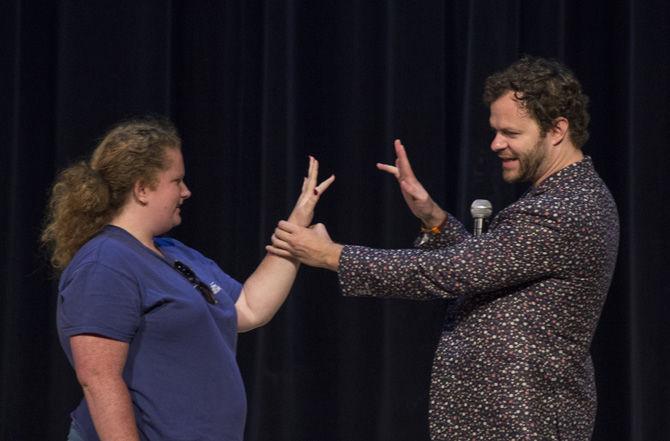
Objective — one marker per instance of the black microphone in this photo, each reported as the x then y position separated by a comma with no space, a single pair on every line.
480,209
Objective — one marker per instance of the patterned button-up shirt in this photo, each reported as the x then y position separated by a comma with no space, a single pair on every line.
516,364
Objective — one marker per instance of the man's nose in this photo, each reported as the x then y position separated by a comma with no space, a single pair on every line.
498,143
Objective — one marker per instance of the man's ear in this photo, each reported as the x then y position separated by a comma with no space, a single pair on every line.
140,191
559,131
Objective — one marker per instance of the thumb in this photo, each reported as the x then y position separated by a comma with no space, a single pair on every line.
320,230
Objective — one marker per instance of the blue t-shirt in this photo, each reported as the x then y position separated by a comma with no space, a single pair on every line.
181,371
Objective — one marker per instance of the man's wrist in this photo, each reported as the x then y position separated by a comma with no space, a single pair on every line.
435,222
332,261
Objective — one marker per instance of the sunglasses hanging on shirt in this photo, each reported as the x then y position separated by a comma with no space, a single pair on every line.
198,284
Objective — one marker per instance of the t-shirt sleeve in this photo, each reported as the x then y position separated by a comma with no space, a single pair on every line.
100,300
230,286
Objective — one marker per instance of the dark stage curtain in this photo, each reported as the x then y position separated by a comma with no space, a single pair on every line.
254,88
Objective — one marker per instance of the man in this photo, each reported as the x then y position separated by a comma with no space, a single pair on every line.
516,365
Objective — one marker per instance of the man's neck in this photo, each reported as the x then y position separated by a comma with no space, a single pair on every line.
564,157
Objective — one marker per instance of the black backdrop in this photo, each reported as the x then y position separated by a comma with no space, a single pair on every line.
257,86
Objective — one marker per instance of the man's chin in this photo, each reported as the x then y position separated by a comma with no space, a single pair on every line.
510,178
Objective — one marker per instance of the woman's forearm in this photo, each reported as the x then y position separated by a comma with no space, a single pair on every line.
111,408
265,291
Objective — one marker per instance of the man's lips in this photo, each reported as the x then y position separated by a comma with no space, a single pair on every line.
508,162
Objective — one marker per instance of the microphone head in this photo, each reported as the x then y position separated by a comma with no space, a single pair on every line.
481,209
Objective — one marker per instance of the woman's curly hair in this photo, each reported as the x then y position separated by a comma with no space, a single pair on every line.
86,196
547,90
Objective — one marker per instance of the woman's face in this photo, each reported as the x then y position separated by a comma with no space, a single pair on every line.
170,191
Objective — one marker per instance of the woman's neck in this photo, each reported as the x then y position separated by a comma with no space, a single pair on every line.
136,230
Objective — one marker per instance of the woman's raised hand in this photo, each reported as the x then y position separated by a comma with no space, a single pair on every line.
303,212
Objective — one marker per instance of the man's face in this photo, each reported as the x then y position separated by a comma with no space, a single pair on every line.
518,141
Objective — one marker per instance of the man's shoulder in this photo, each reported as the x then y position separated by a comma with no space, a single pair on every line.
582,192
578,201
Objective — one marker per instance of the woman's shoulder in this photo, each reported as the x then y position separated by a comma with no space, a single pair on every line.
178,249
108,250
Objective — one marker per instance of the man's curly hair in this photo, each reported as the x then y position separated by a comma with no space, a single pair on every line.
547,90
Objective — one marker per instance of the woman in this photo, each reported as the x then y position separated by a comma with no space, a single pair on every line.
148,323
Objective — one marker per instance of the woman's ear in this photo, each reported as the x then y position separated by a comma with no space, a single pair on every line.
140,192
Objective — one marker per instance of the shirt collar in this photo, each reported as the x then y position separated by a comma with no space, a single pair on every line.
565,174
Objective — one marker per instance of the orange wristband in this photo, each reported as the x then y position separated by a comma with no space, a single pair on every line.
435,230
